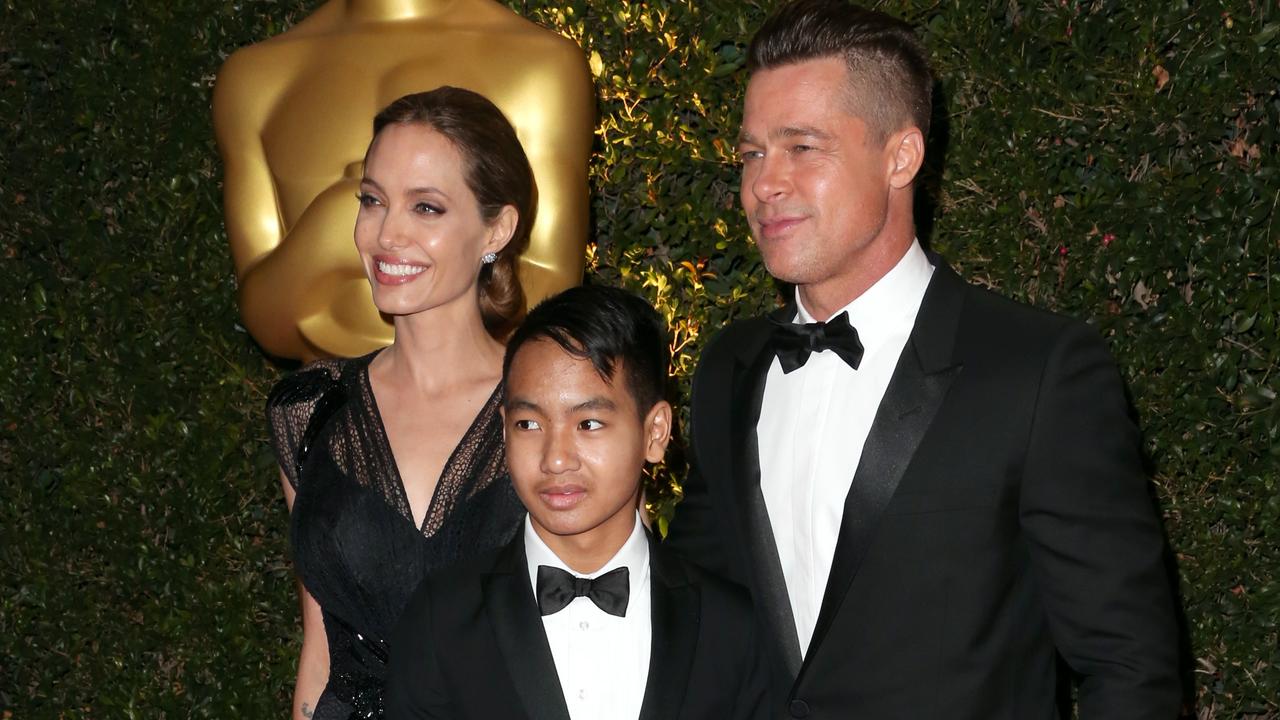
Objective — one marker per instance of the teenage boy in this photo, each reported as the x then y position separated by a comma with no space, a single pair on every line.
582,616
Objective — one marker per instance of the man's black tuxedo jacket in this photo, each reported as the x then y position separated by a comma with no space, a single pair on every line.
1000,514
471,645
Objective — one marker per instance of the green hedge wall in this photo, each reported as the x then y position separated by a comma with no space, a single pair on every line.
1111,160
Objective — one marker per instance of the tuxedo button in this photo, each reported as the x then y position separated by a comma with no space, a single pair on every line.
799,709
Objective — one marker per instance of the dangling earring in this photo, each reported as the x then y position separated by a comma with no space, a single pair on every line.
488,258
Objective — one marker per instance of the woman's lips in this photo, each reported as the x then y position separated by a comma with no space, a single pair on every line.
395,271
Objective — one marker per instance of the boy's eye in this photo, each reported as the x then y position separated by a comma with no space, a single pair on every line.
527,425
590,425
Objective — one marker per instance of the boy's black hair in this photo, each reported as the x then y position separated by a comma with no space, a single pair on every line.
604,325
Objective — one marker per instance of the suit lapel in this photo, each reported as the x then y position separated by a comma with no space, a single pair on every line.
919,383
772,601
674,623
513,614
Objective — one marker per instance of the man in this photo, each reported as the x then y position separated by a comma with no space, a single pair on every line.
932,492
581,617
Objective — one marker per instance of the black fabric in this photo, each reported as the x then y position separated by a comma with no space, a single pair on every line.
471,646
557,588
355,546
999,517
793,342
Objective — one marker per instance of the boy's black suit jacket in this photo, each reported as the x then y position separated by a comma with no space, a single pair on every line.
1000,516
471,645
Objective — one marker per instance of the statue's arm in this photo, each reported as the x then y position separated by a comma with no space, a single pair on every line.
241,98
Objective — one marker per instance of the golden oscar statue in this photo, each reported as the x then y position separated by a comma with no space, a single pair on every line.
293,116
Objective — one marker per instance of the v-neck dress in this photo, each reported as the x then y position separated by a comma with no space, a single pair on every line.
355,545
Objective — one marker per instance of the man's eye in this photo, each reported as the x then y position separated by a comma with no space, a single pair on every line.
590,425
801,148
428,209
527,425
746,155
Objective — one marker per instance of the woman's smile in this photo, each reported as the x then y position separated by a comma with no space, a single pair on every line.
395,271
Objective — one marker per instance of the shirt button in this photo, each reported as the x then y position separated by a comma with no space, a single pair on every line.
584,625
582,694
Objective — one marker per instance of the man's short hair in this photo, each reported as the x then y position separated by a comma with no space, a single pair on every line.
890,83
604,325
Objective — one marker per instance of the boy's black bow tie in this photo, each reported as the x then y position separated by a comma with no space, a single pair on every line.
557,588
793,342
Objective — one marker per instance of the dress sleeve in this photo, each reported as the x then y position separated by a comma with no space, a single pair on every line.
290,407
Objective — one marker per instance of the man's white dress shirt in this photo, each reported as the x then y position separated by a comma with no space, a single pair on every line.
602,660
813,424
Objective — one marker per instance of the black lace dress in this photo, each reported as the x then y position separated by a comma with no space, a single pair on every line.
355,545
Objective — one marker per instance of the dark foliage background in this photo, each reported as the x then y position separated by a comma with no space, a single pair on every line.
1111,160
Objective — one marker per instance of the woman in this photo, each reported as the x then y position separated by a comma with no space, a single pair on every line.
393,463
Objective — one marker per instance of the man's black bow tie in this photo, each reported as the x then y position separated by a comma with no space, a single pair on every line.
793,342
557,588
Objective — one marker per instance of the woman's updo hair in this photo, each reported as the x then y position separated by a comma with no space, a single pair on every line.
498,174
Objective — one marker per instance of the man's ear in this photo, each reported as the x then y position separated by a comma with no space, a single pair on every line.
906,154
657,431
502,228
